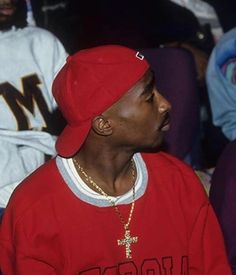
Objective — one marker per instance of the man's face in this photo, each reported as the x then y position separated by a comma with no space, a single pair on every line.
7,11
142,116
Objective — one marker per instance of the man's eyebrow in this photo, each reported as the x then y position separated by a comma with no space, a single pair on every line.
149,86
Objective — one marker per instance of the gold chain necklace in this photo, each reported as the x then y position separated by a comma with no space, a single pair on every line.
128,240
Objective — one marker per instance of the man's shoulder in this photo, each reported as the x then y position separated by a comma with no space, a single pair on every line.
43,183
41,178
39,34
165,161
175,176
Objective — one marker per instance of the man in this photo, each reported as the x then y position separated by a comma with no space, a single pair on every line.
101,207
30,57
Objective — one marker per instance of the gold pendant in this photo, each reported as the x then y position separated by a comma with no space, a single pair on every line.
127,241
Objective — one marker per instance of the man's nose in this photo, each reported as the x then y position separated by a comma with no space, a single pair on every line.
164,105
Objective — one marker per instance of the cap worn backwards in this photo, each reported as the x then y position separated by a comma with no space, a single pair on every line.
88,84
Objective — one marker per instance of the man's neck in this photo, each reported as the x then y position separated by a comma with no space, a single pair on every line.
114,174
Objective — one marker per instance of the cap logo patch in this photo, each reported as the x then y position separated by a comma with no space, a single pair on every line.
139,56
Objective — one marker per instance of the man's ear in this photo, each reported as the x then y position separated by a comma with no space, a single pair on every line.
102,126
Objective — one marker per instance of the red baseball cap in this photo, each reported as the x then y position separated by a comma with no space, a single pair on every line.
89,83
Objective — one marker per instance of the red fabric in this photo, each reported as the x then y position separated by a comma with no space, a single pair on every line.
46,229
90,82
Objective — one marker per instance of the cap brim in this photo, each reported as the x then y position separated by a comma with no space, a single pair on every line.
72,138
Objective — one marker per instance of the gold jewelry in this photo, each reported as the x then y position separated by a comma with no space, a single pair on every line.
128,240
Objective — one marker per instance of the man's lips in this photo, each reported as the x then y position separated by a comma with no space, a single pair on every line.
165,125
6,10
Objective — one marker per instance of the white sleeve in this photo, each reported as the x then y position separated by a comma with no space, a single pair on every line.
51,56
59,60
21,153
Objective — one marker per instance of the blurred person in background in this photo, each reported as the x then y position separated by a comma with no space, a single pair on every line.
221,84
29,57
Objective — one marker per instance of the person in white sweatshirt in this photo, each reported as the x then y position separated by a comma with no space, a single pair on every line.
30,57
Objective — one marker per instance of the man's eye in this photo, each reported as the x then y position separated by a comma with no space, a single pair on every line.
150,98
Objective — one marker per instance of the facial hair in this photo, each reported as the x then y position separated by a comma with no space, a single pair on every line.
18,19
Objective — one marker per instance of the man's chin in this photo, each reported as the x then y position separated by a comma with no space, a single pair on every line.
154,148
6,22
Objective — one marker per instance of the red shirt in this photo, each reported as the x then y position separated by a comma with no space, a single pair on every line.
47,229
